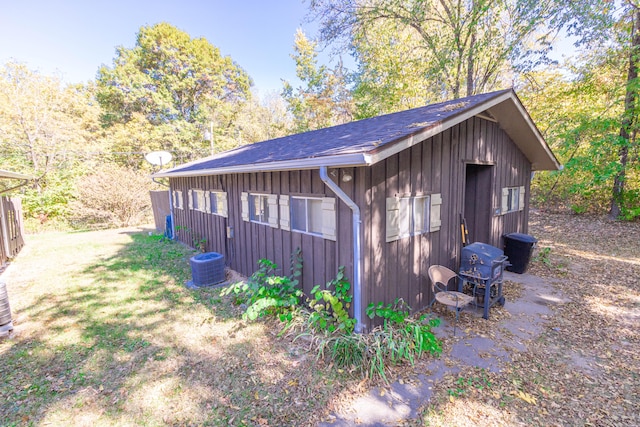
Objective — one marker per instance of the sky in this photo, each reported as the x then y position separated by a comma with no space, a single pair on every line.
73,38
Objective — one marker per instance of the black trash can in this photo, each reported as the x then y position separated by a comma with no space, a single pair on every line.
519,247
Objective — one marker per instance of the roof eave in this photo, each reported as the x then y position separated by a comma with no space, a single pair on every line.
519,127
525,134
340,160
402,144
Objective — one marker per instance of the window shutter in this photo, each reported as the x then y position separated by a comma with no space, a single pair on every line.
244,201
175,199
436,215
285,213
223,205
505,200
190,195
329,218
207,201
272,200
521,198
393,219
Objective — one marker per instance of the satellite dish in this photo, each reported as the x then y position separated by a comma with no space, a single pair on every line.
158,158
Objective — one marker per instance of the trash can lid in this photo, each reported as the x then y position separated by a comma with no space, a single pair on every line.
525,238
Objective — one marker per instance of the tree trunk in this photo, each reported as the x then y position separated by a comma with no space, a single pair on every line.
628,118
470,65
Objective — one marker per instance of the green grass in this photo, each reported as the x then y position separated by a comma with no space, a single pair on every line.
107,334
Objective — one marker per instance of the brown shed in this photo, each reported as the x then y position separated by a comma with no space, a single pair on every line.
380,196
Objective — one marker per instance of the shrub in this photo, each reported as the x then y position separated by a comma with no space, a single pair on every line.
112,195
330,307
326,320
264,293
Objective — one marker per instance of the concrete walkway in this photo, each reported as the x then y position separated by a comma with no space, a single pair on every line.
402,401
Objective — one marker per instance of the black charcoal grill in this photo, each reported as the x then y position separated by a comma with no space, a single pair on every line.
481,268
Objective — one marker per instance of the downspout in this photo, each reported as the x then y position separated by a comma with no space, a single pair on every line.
357,262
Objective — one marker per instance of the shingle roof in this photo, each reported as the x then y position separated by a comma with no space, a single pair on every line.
358,143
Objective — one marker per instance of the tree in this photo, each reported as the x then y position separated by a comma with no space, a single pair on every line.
43,126
578,114
615,28
390,76
325,101
173,82
629,126
458,47
592,118
261,118
40,121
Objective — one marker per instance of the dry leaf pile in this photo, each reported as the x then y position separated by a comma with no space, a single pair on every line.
584,368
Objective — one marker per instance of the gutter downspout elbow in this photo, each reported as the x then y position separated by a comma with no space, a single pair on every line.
357,252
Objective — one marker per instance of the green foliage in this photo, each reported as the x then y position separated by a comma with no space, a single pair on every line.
42,125
52,198
169,77
395,313
401,339
330,307
393,344
464,384
198,241
40,121
265,294
325,101
544,256
435,50
163,93
591,120
631,205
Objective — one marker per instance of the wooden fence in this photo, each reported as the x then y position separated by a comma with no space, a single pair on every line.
160,206
11,228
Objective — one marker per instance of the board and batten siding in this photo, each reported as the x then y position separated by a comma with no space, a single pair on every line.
396,269
253,241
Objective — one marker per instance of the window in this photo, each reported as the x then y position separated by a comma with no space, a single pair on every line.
177,199
309,215
412,216
260,208
197,200
512,199
218,203
306,215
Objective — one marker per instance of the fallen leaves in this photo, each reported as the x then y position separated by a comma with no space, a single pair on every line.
581,369
524,396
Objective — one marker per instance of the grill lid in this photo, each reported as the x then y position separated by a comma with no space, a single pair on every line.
477,257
